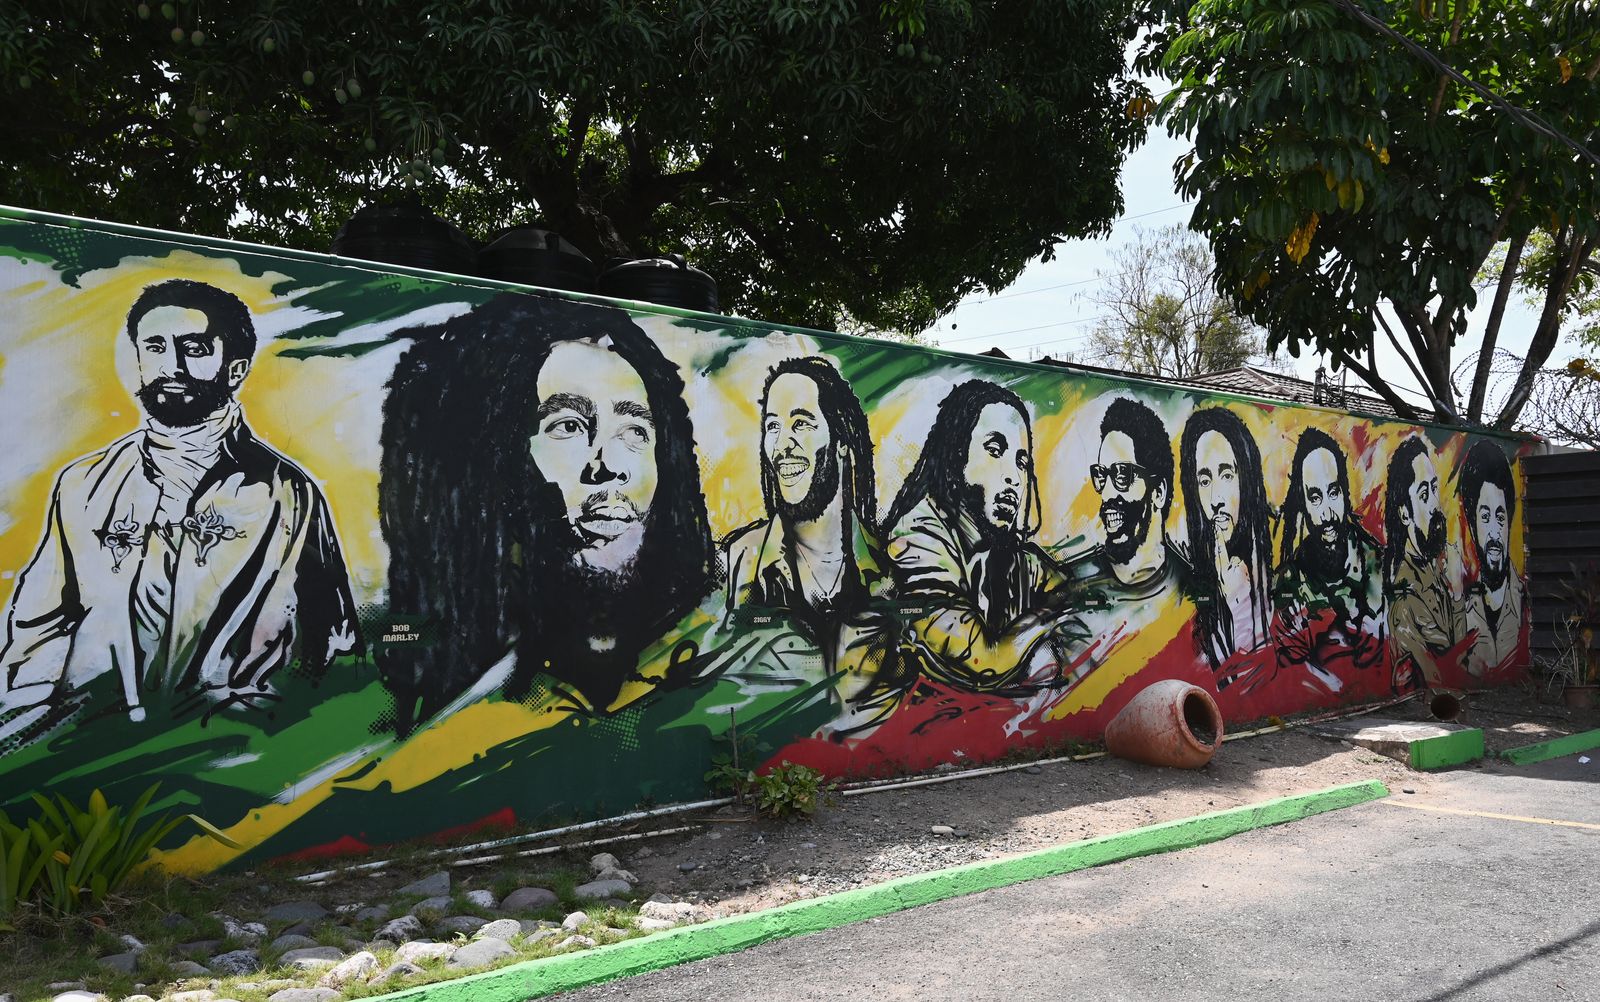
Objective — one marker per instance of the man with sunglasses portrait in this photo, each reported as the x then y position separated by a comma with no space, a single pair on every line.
1132,474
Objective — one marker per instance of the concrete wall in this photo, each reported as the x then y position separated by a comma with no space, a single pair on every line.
345,557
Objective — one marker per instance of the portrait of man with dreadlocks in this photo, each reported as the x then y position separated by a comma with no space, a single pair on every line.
1328,590
1496,601
1425,616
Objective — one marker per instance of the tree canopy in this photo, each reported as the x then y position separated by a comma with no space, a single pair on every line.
821,159
1164,316
1356,162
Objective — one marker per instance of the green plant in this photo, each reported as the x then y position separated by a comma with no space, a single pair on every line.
788,790
1576,661
71,857
729,771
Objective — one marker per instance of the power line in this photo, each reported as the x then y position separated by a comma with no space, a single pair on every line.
1024,330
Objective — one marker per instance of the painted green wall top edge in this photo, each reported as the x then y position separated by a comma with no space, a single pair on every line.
476,281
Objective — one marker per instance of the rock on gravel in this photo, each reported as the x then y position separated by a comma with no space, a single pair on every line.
398,970
434,885
597,889
431,906
418,951
481,953
235,962
500,929
201,995
376,913
305,995
464,924
296,911
574,919
483,899
529,899
581,942
356,967
654,924
190,969
313,957
122,963
77,995
600,862
675,911
404,928
291,941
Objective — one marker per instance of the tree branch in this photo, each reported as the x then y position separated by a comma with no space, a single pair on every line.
1547,333
1370,377
1491,332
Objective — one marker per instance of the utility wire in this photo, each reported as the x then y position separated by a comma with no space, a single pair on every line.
1024,330
1521,116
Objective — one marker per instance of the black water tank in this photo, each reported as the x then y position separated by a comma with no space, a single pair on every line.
403,231
531,256
666,281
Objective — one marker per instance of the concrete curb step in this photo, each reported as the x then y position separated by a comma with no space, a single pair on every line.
1418,745
550,975
1554,748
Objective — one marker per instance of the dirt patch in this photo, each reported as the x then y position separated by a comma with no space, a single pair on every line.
1512,716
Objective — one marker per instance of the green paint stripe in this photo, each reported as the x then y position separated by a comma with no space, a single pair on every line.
1455,748
1554,748
549,975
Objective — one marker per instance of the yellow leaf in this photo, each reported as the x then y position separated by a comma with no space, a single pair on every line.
1566,68
1327,178
1383,156
61,857
1346,193
1299,244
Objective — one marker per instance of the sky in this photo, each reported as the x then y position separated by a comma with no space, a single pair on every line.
1050,309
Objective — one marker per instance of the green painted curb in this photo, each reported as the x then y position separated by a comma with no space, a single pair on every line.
1455,748
1554,748
548,975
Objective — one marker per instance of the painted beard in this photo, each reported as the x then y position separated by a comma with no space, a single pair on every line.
1323,551
824,486
1126,524
1431,543
1492,564
182,401
980,507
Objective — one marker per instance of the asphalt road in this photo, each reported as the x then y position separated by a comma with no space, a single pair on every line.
1429,901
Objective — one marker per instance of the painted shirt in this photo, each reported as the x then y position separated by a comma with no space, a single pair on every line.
1329,627
1425,620
854,632
1496,636
968,638
215,603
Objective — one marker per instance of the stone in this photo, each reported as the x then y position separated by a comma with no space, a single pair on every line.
644,851
600,862
617,874
654,924
671,911
252,932
349,909
1033,770
132,943
483,899
130,998
500,929
400,970
574,920
312,957
434,885
581,942
595,889
401,929
235,962
79,995
942,830
199,946
296,911
356,967
376,913
420,950
464,924
190,969
688,867
529,899
172,920
541,935
66,986
480,953
199,995
431,906
292,941
122,963
305,995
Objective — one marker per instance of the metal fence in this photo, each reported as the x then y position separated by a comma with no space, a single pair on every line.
1563,520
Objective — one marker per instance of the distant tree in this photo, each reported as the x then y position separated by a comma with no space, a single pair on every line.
1164,314
1356,161
841,157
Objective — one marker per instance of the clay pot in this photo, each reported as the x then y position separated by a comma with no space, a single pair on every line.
1581,697
1169,723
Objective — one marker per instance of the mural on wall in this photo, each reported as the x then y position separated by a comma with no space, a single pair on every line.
532,556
